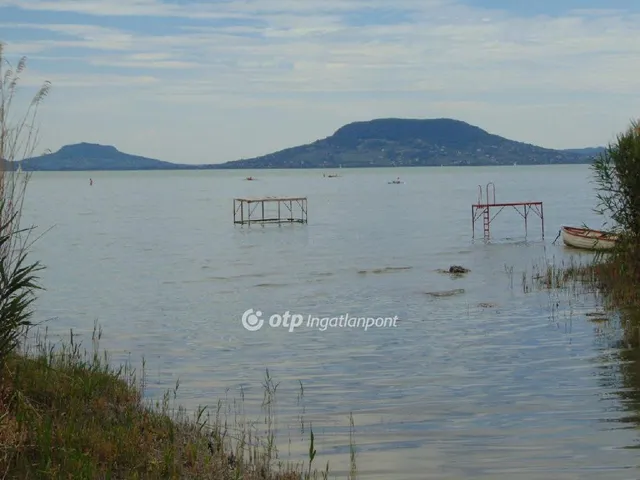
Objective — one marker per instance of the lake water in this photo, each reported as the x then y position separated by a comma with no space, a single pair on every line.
519,389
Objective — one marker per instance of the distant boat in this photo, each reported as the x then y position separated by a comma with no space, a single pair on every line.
397,181
249,178
587,239
333,175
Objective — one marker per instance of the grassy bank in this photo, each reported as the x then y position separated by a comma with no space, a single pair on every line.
64,413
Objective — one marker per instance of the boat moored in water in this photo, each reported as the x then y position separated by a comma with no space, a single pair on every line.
587,239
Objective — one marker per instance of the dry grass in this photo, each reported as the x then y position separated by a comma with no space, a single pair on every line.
64,413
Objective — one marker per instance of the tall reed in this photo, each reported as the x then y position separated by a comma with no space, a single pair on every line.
18,140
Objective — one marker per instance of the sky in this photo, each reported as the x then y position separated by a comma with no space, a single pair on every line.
191,81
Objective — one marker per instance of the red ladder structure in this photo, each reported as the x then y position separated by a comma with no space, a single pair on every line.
484,205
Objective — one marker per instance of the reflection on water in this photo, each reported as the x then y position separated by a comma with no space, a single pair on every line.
628,376
619,365
490,382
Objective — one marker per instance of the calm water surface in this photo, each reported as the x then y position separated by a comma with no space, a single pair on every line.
490,383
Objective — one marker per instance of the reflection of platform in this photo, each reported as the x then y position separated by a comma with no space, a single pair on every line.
484,206
281,210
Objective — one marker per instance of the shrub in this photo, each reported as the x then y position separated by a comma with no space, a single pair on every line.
617,172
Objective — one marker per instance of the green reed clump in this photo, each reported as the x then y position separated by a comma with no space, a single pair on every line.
18,138
617,176
65,413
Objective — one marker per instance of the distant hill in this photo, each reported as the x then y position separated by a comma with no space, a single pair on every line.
377,143
90,156
407,142
594,151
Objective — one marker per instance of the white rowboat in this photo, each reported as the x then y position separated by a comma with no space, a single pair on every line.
587,239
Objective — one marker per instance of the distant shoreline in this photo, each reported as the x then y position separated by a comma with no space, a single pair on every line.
386,167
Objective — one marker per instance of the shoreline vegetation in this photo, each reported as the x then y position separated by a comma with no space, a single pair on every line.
66,413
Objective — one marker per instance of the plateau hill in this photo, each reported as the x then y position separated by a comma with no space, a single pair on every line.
407,142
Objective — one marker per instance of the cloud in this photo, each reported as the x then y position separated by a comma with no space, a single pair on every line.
118,8
89,81
345,56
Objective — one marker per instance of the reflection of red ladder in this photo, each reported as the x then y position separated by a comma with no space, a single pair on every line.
486,220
